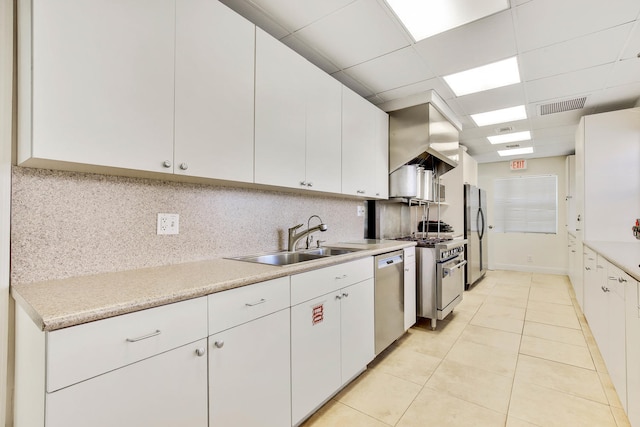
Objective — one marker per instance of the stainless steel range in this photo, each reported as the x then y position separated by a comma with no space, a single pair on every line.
440,278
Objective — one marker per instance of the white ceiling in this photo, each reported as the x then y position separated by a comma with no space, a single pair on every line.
566,49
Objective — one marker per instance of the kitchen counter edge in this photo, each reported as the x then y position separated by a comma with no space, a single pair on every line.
624,255
62,303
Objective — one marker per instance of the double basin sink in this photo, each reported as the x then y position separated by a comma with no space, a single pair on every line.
287,258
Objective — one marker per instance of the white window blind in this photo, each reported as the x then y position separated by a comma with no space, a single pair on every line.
526,204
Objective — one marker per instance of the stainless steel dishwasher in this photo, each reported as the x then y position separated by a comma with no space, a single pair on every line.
389,298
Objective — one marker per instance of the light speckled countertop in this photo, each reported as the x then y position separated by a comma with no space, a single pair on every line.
624,255
56,304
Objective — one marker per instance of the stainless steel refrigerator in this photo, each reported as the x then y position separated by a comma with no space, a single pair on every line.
475,231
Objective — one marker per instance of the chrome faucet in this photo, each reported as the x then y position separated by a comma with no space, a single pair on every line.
295,238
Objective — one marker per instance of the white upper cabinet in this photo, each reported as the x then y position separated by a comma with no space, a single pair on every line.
96,82
214,92
365,147
297,128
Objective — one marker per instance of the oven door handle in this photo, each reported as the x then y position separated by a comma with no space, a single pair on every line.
449,271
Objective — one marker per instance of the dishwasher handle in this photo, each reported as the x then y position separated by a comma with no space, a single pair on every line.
390,261
449,271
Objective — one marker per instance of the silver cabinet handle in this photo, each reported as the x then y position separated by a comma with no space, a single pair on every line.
166,164
144,337
345,294
588,268
200,352
605,289
360,191
344,276
406,269
219,344
310,184
253,304
622,280
184,166
338,296
612,278
303,183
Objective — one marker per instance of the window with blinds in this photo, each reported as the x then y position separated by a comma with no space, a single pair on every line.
526,204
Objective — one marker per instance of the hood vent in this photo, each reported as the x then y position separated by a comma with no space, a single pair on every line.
562,106
422,135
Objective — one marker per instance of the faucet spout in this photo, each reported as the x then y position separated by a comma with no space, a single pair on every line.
294,237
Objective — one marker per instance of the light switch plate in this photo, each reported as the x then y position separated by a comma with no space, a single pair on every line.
168,223
360,210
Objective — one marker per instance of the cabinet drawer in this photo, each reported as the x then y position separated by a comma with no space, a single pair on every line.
234,307
311,284
85,351
618,280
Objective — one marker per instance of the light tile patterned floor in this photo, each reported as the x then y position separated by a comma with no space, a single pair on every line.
516,352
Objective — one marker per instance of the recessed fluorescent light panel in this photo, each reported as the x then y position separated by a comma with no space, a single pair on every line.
510,137
490,76
500,116
515,151
427,18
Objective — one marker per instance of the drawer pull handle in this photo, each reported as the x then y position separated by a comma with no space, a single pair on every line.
262,301
219,344
345,294
144,337
338,296
344,276
200,352
622,280
604,289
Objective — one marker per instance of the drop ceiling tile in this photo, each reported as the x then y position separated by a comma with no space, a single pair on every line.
467,47
296,14
257,16
347,38
494,99
310,54
584,52
625,72
542,23
568,85
616,98
435,84
566,118
393,70
633,47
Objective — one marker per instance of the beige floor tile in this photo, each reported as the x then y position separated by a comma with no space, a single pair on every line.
550,307
434,408
556,351
471,302
469,383
556,296
510,291
406,364
498,322
561,377
557,319
550,279
379,395
335,414
517,422
491,337
549,408
554,333
497,360
427,343
520,302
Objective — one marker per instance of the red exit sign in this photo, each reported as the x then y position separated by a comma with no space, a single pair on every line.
517,165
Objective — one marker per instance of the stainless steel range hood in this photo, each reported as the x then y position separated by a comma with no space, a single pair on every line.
424,134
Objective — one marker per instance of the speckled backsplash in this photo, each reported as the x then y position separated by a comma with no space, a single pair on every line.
69,224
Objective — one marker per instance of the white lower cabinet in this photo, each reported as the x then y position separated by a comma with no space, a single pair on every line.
249,374
167,390
409,287
632,310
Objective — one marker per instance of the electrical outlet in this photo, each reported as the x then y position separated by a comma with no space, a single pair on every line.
168,223
360,210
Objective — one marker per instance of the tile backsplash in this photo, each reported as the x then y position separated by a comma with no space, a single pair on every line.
69,224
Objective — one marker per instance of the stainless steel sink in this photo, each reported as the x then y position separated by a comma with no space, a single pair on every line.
331,251
280,258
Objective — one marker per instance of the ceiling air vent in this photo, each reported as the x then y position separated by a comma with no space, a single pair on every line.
512,146
504,129
562,106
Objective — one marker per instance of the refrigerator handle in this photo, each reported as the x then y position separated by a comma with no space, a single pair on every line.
481,229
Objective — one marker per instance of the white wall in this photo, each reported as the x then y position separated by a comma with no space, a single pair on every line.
510,251
6,120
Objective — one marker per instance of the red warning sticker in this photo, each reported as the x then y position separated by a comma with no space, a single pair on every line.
317,314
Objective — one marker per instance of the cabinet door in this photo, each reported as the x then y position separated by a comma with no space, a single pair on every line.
614,353
632,310
280,114
249,374
214,91
358,146
357,328
409,288
381,154
101,83
169,389
323,131
315,353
